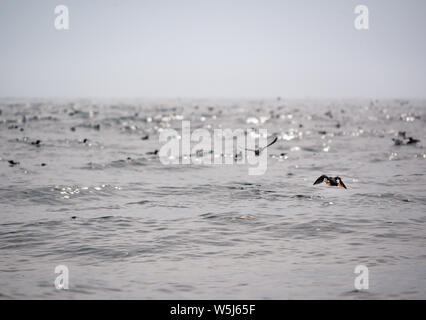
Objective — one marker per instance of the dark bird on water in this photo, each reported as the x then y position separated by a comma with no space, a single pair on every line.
335,182
405,140
36,143
13,163
411,140
258,151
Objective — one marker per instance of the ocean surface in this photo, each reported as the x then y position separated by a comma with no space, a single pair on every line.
86,190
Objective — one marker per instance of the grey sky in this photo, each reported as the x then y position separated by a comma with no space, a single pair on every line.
237,49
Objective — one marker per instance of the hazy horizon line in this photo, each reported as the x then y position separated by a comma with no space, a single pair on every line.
277,98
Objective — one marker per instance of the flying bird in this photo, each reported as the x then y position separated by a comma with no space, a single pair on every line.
335,182
258,151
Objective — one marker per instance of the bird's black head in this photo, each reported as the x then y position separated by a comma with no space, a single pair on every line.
340,182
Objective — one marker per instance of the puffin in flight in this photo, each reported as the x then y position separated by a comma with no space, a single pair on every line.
258,151
335,182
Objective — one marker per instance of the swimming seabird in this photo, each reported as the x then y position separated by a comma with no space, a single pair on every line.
13,162
36,143
405,140
411,140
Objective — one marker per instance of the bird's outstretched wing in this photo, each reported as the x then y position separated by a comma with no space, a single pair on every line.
270,144
320,179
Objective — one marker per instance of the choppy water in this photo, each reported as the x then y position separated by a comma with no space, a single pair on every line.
146,230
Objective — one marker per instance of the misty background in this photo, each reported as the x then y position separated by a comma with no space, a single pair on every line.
213,49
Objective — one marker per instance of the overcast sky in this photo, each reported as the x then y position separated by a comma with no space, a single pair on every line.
213,49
